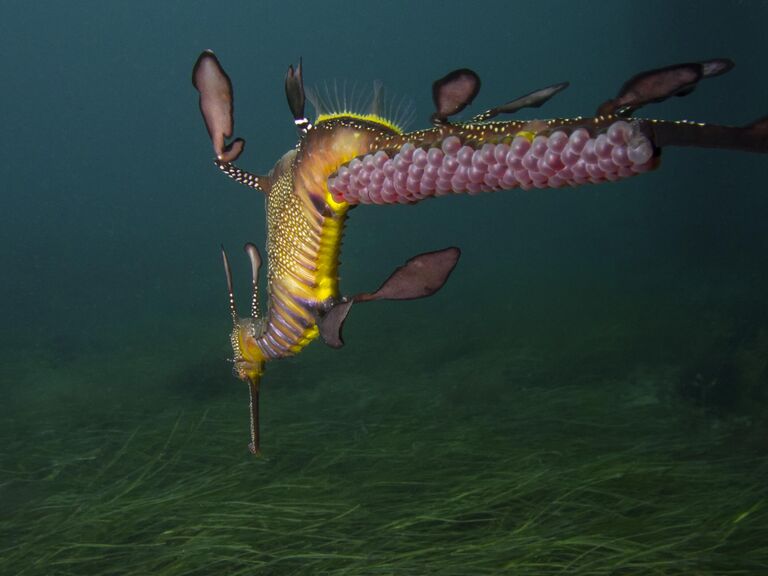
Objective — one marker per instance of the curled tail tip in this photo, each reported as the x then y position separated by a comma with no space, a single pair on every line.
759,129
759,125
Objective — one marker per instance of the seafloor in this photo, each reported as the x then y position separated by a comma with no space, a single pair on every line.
554,450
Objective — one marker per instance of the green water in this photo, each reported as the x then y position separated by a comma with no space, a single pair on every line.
587,395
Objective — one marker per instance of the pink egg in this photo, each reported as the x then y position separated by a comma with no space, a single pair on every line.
435,156
451,145
519,147
603,146
539,146
557,141
618,133
578,139
406,151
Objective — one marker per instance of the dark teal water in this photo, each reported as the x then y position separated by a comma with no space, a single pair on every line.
643,302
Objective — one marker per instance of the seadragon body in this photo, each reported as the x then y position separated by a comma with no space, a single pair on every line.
345,159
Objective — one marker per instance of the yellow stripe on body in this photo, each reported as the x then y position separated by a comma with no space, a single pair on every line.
303,244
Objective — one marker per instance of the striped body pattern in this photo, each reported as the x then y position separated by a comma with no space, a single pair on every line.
304,229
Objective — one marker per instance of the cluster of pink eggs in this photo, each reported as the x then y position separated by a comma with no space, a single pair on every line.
559,159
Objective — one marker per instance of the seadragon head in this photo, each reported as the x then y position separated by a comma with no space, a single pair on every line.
248,358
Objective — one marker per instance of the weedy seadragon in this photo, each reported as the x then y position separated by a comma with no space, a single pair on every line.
345,158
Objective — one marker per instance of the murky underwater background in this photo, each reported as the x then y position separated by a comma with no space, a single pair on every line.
587,395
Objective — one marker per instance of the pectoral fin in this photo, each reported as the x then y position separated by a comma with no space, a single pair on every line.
419,277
